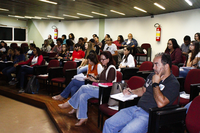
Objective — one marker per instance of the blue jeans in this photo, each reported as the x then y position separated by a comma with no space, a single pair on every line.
188,106
184,73
79,99
129,120
72,87
22,73
8,70
82,69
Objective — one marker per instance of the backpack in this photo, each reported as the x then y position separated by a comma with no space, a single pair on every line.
32,86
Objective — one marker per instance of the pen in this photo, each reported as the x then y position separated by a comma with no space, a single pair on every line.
130,92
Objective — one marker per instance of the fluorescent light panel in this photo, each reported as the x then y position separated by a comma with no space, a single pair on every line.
100,14
189,2
49,16
140,9
70,16
85,15
158,5
16,16
50,2
2,9
117,12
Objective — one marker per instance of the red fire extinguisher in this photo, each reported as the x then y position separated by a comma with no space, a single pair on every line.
158,32
55,32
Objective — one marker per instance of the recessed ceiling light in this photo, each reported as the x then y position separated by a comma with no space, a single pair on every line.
70,16
2,9
49,16
189,2
50,2
117,12
100,14
28,17
158,5
85,15
140,9
16,16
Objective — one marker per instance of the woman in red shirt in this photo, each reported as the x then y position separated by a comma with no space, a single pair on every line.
119,41
34,60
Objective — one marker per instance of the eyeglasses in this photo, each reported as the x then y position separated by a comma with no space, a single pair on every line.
169,44
102,59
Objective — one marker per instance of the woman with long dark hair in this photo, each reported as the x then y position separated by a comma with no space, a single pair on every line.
79,99
174,50
192,60
119,41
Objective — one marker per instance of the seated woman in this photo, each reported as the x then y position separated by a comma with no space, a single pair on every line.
34,60
192,60
127,60
46,47
18,58
8,57
174,50
63,55
79,99
94,68
119,41
84,64
30,51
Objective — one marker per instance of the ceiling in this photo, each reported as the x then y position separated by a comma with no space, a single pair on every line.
72,7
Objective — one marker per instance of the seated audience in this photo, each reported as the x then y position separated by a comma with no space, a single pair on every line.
64,38
96,47
192,60
30,51
174,50
50,40
94,68
104,41
9,57
84,64
185,45
63,55
81,43
77,53
18,58
110,47
79,99
46,47
72,37
85,40
161,89
128,59
97,41
130,41
34,60
119,41
2,47
57,48
70,44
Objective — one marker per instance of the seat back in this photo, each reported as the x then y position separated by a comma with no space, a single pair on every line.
24,45
53,63
193,77
135,82
69,65
146,46
119,76
13,45
146,66
52,54
193,118
175,70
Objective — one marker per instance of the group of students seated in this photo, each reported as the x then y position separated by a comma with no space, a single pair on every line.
97,62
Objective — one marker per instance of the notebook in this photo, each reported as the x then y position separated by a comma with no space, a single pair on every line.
122,97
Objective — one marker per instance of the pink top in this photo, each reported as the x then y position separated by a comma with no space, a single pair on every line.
117,44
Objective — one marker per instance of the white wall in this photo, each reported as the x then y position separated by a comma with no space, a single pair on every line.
81,28
173,25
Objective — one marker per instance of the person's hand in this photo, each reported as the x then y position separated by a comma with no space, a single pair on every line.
157,77
15,65
126,91
120,66
59,57
91,79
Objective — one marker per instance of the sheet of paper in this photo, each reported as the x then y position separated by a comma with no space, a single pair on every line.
114,107
122,97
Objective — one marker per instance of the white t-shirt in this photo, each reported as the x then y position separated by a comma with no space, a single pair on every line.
130,61
34,60
112,48
129,41
3,49
198,56
99,68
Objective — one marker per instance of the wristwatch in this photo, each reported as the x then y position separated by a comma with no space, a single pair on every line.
155,84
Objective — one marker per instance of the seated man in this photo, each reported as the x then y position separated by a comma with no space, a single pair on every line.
77,53
185,46
57,48
161,89
110,47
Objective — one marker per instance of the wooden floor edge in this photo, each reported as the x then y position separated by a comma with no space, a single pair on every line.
32,102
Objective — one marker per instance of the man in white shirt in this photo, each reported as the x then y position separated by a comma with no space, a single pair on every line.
110,47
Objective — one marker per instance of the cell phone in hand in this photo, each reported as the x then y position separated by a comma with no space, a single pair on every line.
91,76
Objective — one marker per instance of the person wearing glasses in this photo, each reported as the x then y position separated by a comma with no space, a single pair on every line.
77,53
111,47
174,51
79,100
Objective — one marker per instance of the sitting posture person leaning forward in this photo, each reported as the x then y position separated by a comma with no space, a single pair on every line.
161,89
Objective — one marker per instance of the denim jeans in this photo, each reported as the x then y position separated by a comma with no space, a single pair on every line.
184,73
72,87
188,106
129,120
8,70
79,99
82,69
22,73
